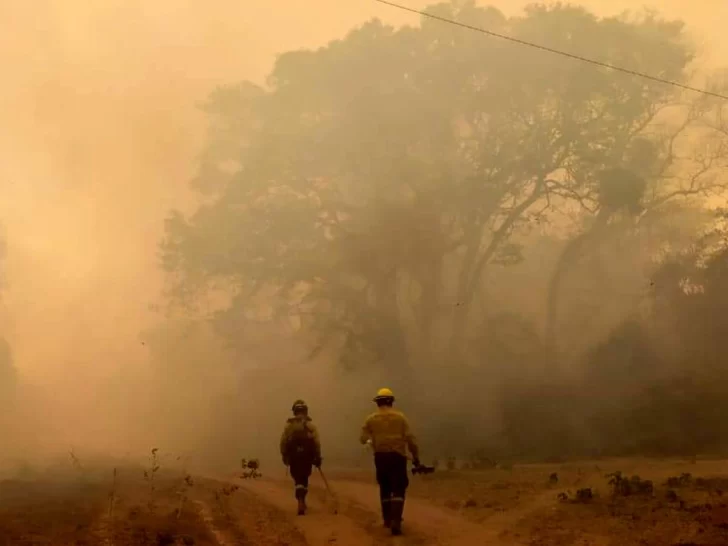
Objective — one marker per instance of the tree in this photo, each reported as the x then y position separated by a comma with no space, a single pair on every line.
641,193
667,368
368,188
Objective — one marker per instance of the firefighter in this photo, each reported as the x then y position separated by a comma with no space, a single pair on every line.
388,432
300,450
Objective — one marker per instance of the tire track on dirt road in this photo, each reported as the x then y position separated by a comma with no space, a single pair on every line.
102,530
243,518
222,537
320,526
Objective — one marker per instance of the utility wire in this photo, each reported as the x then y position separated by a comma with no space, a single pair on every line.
555,51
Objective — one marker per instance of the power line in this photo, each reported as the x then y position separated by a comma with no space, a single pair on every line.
555,51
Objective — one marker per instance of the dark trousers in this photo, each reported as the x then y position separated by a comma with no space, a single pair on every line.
300,472
393,482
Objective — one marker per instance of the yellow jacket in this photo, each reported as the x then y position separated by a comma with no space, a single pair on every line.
300,438
389,431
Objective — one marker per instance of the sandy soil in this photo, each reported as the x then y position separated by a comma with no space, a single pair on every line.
534,505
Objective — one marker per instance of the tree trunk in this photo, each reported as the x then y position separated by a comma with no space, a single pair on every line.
474,271
568,258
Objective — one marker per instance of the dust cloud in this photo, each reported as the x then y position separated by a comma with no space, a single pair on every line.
100,137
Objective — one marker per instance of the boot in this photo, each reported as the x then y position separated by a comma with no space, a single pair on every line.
301,496
387,512
397,509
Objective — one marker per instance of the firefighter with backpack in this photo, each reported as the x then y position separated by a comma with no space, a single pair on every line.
301,450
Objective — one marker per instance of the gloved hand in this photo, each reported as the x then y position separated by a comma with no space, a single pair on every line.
317,462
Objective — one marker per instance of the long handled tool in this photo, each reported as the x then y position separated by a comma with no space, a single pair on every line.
329,491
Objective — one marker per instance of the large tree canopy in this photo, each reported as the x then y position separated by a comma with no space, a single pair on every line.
367,189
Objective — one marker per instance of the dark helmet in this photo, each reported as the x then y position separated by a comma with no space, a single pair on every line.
299,406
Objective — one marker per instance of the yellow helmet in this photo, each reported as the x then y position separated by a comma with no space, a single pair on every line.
383,394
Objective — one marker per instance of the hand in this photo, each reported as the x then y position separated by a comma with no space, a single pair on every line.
416,463
317,462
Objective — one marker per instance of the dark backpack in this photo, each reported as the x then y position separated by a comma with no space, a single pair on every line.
301,440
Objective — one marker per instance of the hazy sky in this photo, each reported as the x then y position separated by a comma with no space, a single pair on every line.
98,139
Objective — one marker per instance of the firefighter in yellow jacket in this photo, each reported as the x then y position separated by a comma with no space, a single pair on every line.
300,450
388,432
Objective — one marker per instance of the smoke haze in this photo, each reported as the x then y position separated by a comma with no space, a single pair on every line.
100,136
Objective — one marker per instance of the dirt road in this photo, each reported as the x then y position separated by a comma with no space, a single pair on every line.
357,520
510,508
321,526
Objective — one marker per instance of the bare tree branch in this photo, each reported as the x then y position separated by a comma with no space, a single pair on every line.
499,235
